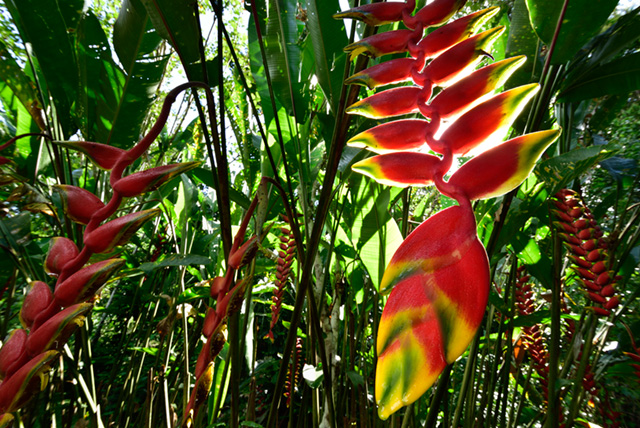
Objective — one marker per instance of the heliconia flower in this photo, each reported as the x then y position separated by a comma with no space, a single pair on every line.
469,91
377,13
400,169
117,232
13,352
244,254
79,204
386,43
491,118
83,285
460,59
429,318
54,333
399,135
386,73
150,179
61,251
435,13
441,39
502,168
26,382
35,302
392,102
102,155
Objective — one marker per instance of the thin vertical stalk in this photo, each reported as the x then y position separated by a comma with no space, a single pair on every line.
434,406
553,409
576,391
467,378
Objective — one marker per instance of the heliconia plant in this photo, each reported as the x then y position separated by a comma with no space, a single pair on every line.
438,280
49,317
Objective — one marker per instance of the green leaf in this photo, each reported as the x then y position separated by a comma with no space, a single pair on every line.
582,20
150,351
42,24
328,37
175,260
619,76
194,293
175,21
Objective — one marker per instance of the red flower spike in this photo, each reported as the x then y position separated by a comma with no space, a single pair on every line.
491,118
146,181
12,352
198,395
400,169
61,251
386,73
102,155
460,59
36,301
429,319
392,102
503,168
399,135
53,334
377,13
386,43
443,38
79,204
26,382
470,91
117,232
435,13
85,283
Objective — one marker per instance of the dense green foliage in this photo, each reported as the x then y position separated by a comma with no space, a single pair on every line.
99,73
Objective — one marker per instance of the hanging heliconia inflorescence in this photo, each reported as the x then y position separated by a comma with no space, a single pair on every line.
50,317
439,276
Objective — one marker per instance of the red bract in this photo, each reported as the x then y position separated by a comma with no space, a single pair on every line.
36,301
399,135
61,251
79,204
384,43
12,352
102,155
83,285
53,334
146,181
435,13
117,232
29,380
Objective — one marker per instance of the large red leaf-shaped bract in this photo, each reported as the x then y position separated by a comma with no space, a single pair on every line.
439,294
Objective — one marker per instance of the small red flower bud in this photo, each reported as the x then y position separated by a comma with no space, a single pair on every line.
612,303
597,298
608,291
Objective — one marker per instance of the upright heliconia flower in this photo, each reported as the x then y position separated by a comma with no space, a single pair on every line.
438,279
283,269
588,250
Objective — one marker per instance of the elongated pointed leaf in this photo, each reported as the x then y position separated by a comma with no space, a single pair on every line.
400,169
440,279
503,168
399,135
487,120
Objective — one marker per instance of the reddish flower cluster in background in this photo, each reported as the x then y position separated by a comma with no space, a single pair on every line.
588,249
532,336
283,269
